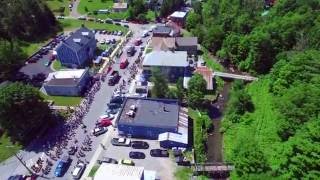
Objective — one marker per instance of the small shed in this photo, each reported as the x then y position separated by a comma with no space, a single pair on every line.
169,140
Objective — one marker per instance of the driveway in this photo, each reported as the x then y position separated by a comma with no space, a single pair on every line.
74,11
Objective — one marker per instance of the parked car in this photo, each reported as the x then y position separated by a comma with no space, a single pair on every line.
130,51
112,111
32,60
78,170
62,166
119,33
73,150
120,142
177,152
82,18
113,41
159,153
139,145
104,123
118,100
47,63
114,78
137,155
113,105
126,26
99,130
137,42
107,160
60,17
124,63
108,116
126,162
108,21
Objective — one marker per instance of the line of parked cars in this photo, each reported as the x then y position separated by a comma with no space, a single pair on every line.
115,33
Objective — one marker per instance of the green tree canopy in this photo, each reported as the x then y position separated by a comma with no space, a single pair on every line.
22,111
160,88
197,87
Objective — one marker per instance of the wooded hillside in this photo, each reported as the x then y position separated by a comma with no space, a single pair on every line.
272,126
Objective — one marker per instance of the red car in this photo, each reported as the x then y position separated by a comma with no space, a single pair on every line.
104,123
124,63
137,42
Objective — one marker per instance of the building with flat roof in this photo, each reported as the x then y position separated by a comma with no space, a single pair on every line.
69,82
119,172
172,64
179,17
189,44
148,117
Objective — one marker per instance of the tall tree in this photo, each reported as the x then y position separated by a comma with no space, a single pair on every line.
160,88
196,90
22,111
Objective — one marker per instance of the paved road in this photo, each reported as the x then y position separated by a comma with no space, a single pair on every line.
102,97
74,11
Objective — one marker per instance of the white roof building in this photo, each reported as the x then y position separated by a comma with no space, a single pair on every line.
178,14
166,58
119,172
66,74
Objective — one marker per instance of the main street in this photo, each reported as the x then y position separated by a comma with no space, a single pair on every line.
102,97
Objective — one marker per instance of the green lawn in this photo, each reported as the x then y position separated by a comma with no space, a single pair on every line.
93,5
30,48
71,24
183,173
263,122
57,65
54,5
93,170
7,149
63,100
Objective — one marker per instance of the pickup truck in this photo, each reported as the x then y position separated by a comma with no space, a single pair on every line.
120,142
114,78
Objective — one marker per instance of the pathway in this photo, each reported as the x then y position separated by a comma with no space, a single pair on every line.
74,11
234,76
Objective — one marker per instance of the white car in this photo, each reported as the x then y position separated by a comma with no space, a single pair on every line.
78,171
102,42
108,116
99,130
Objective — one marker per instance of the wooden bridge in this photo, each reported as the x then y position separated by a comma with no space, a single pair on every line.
234,76
213,167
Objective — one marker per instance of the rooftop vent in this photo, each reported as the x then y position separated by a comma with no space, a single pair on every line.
130,113
77,40
85,33
133,107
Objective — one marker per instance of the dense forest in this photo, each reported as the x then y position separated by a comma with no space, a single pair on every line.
271,126
22,21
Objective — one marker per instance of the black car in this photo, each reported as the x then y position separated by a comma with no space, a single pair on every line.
159,153
177,152
114,105
137,155
107,160
126,26
118,100
139,145
181,161
130,51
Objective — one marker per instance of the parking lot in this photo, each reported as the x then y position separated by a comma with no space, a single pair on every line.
163,166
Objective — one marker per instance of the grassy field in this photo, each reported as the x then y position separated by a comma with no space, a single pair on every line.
183,173
30,48
93,5
71,24
94,170
57,65
54,5
186,33
262,122
7,149
63,100
151,16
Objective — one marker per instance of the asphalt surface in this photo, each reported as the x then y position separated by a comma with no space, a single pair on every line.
31,69
12,167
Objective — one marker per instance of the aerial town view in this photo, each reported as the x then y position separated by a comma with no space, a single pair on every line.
159,89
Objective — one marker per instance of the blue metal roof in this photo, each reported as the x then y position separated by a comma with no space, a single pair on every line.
79,38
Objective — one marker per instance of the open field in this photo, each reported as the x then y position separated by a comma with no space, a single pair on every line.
72,24
54,5
7,149
63,100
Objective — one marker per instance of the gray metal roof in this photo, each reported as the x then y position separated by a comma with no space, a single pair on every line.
63,82
166,58
79,38
162,30
187,41
150,112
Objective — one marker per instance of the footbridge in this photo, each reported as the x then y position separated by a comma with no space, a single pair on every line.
234,76
213,167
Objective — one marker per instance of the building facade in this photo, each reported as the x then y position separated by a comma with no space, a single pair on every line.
77,49
66,83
